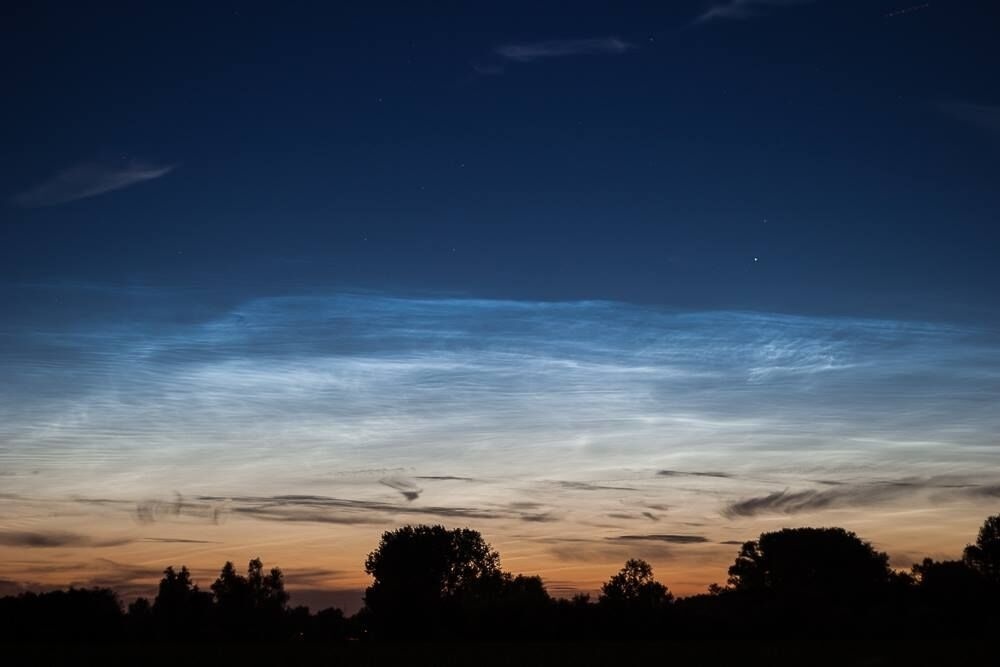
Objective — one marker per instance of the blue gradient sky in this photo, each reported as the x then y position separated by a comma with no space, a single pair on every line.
622,280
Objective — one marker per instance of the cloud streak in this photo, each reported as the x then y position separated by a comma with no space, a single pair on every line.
54,539
682,473
670,539
527,52
855,495
982,116
89,180
738,10
405,487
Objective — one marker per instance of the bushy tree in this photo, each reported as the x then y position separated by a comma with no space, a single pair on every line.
422,573
831,561
634,586
76,614
950,582
984,555
252,605
180,610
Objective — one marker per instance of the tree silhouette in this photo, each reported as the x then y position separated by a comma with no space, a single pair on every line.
180,610
250,606
632,603
433,583
950,582
76,614
140,619
634,586
830,561
254,591
421,573
984,555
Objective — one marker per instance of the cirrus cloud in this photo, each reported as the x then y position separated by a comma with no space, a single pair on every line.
559,48
89,180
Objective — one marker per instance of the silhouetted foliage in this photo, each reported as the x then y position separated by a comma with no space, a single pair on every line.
984,555
505,606
634,587
831,561
139,620
250,606
804,582
632,603
423,574
432,583
180,610
77,614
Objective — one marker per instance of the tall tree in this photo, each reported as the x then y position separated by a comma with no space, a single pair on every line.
984,555
180,610
421,573
252,605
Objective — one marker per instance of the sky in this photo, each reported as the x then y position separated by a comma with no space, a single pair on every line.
599,280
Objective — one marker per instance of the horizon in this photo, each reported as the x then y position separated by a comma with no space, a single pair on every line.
623,281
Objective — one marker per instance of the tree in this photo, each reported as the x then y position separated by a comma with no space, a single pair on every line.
634,586
508,607
176,590
140,619
250,606
831,561
76,614
421,573
180,610
984,555
948,582
254,591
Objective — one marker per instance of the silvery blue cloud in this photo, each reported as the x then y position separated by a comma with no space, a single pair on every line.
492,389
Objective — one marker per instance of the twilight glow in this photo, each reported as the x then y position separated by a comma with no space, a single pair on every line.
572,434
630,280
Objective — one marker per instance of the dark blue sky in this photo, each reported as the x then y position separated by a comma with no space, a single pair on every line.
620,151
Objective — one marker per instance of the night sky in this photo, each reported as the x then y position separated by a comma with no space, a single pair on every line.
596,279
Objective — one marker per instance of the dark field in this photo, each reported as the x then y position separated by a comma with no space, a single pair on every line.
635,653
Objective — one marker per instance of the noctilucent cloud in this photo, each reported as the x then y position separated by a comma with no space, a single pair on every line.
622,281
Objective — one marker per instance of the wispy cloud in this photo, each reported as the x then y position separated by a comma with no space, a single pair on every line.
52,539
304,508
406,488
175,540
89,180
559,48
742,9
693,473
983,116
671,539
591,551
587,486
855,495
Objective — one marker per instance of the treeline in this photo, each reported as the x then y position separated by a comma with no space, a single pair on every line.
429,583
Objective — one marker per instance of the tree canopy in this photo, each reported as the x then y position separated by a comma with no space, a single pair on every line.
250,605
984,555
423,572
430,582
809,560
634,586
